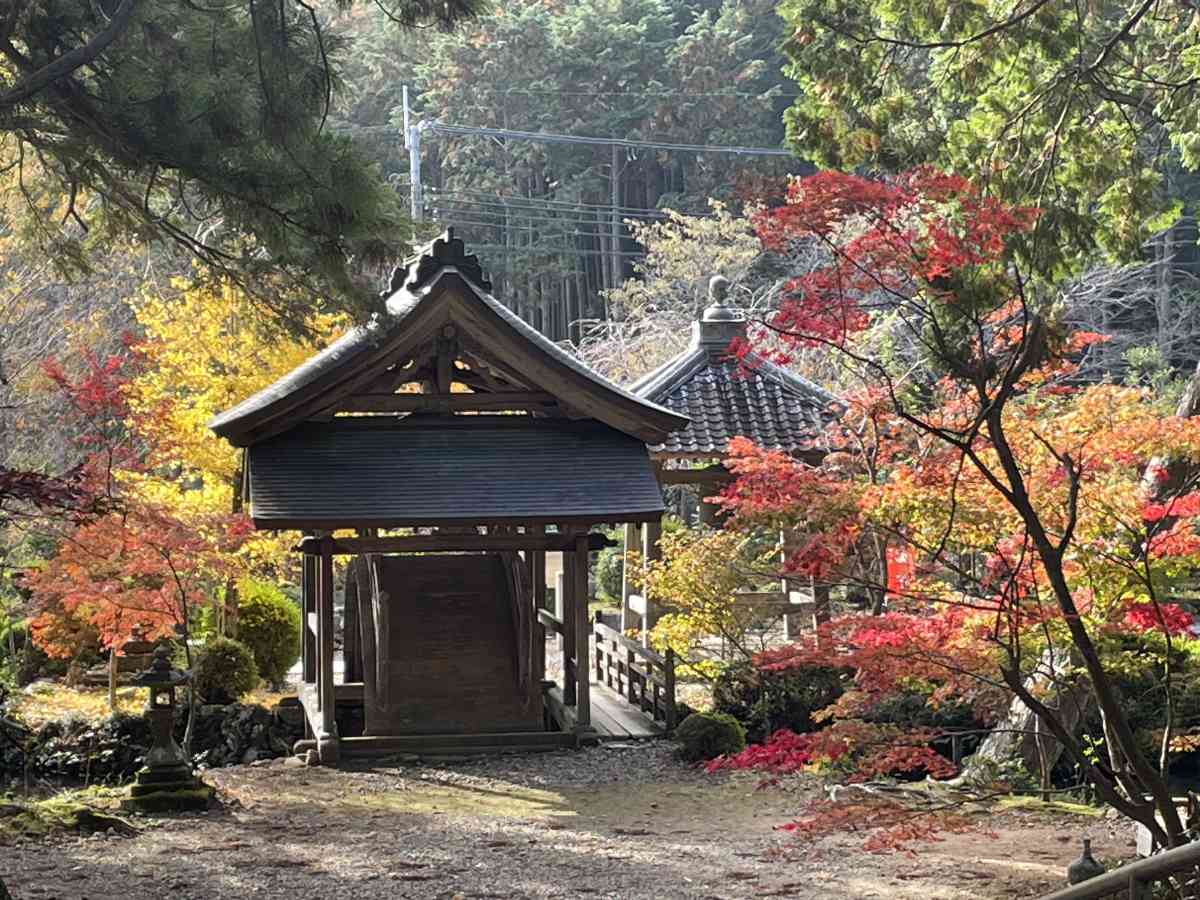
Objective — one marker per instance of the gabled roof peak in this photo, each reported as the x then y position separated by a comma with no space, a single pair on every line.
444,251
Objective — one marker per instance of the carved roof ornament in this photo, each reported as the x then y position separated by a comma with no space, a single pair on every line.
443,251
718,310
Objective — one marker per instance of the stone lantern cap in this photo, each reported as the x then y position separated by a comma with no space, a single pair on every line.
161,674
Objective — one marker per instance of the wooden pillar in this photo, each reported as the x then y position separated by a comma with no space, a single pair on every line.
791,621
820,595
352,665
567,613
628,617
538,582
651,551
583,633
308,603
710,513
327,740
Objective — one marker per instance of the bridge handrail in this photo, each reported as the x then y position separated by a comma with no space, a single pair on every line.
1133,879
645,678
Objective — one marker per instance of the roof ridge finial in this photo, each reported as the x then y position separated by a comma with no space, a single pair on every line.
444,250
718,310
718,290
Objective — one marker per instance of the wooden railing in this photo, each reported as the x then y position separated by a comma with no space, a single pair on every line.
1170,875
645,678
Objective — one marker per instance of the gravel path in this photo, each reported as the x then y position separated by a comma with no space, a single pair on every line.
622,821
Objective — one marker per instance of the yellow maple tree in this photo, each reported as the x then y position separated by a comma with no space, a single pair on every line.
206,349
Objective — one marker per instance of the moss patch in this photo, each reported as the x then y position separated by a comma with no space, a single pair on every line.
80,811
1034,804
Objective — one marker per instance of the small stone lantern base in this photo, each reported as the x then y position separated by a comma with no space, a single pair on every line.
159,790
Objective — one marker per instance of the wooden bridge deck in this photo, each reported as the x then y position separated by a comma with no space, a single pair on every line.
616,720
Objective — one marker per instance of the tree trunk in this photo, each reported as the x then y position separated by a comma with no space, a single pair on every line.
1141,779
112,678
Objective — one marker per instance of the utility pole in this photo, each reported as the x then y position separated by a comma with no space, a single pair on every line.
616,218
412,141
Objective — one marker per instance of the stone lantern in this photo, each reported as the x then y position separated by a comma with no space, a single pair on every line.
166,782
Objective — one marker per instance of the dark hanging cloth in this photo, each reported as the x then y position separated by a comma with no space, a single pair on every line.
519,591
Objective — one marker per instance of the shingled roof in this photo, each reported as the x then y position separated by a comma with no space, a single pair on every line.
369,472
724,398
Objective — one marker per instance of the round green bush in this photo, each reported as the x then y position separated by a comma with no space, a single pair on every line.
224,671
765,701
704,736
269,624
609,570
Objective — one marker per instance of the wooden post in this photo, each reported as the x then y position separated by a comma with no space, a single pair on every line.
669,690
820,595
352,668
601,675
583,631
538,582
327,740
570,634
650,551
631,690
308,602
628,616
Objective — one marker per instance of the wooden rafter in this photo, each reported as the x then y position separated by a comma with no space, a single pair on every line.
448,403
432,543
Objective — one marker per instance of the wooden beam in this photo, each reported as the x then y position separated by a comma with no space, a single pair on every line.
393,379
446,352
433,543
549,621
509,348
495,376
650,552
537,563
570,634
325,687
627,580
583,634
308,600
446,403
708,475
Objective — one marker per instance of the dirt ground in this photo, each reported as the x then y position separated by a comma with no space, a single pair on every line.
619,822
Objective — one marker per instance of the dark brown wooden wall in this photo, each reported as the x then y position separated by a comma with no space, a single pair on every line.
451,649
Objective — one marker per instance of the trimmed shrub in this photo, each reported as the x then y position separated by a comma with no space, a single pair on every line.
765,701
704,736
224,671
269,624
609,568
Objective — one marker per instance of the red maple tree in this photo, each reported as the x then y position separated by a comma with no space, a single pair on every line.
971,445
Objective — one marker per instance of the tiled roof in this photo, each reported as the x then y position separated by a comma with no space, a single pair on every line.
725,398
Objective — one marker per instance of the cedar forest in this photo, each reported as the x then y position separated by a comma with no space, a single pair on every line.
981,241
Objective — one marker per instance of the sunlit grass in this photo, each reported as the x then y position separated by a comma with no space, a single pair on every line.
54,702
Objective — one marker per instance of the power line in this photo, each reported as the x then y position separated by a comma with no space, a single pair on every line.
766,95
560,233
575,226
542,137
500,249
538,202
517,213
